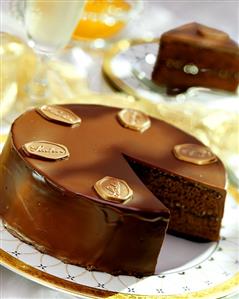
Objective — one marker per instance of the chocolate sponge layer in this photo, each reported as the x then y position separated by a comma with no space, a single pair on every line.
196,210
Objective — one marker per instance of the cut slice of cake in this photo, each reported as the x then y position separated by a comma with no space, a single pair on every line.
197,55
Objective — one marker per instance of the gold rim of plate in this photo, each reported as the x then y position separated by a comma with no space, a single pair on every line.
226,288
118,47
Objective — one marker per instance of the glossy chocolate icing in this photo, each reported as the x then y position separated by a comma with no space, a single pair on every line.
202,36
53,205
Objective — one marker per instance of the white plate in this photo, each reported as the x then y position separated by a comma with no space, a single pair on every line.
188,269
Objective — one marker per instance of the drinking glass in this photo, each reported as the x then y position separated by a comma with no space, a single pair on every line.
8,75
49,25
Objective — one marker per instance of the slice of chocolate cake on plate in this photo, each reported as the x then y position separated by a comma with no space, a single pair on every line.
197,55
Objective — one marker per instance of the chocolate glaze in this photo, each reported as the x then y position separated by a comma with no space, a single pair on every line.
193,33
54,205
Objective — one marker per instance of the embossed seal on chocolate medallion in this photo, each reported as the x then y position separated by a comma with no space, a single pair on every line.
134,120
45,149
113,189
59,114
194,153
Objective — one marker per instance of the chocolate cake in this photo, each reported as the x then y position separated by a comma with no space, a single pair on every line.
197,55
93,186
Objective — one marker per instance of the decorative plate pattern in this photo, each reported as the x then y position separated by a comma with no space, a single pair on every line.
129,63
188,269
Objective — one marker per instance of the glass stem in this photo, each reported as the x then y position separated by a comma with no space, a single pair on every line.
38,87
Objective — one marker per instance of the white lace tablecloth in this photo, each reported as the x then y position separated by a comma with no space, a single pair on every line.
157,17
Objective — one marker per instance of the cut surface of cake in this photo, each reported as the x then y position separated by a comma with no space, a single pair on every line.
197,55
93,186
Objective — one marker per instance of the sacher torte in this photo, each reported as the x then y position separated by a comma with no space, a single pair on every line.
96,186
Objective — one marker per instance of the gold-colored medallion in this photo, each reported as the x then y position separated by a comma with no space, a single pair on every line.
59,114
46,150
113,189
191,69
194,153
134,120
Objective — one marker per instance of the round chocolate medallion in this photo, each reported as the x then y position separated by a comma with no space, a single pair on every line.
194,153
46,150
114,189
59,114
134,120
